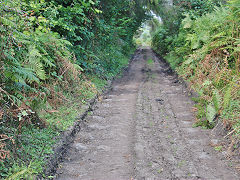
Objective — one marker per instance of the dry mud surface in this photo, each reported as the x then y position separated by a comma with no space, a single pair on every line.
142,130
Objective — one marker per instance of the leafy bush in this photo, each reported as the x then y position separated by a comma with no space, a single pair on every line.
211,65
168,35
159,41
49,48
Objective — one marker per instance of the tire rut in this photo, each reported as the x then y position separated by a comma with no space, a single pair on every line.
143,130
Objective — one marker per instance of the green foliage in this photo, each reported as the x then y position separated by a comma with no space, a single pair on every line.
21,172
29,54
98,82
218,148
210,113
227,97
166,37
217,99
150,62
47,49
32,147
159,40
205,51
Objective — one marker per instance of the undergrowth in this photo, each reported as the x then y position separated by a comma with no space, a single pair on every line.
54,57
205,52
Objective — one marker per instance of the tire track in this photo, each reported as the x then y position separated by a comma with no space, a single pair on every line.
142,129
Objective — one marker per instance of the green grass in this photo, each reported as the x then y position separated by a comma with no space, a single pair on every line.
218,148
232,114
98,82
34,144
173,60
181,163
64,117
150,62
32,148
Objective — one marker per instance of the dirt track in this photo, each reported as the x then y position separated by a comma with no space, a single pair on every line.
141,130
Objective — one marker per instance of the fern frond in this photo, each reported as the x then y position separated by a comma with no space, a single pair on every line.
7,22
227,97
25,73
217,99
34,63
187,22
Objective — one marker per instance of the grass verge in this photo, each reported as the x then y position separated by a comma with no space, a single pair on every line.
30,147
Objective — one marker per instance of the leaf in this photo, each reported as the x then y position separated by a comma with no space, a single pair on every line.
187,22
35,64
24,113
204,36
207,83
32,18
78,67
97,11
188,61
211,113
218,148
227,97
7,22
17,174
217,99
91,2
27,33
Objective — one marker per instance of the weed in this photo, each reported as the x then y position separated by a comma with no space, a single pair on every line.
32,149
208,58
218,148
151,124
153,76
181,163
63,118
98,82
160,171
150,62
204,124
90,113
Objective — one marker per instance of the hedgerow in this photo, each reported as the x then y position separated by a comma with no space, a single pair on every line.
206,53
55,55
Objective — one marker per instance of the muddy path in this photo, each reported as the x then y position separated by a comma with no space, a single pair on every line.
141,130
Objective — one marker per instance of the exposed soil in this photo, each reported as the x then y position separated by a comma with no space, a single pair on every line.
142,129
